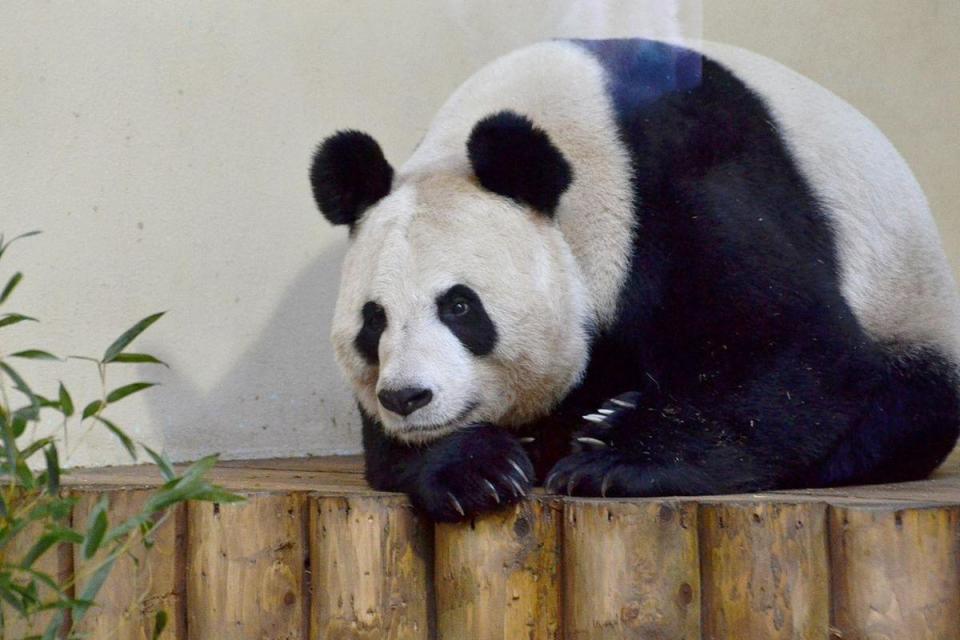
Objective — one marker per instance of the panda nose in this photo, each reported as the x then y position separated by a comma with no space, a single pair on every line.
406,400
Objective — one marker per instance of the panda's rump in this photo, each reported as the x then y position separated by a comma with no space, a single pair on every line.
893,272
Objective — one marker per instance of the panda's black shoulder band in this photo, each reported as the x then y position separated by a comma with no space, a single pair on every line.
512,157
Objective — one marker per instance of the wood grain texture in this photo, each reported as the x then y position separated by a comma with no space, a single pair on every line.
135,591
51,563
371,569
343,475
631,570
498,576
764,571
895,572
245,569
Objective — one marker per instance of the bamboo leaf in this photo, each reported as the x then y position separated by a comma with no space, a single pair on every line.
123,437
47,540
92,588
159,624
24,475
122,392
35,446
91,409
129,336
9,443
11,285
96,527
214,493
3,247
66,402
161,460
47,402
53,469
26,414
34,354
137,358
14,318
20,384
13,601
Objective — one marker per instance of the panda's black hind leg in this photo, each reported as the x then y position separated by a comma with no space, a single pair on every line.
907,428
616,455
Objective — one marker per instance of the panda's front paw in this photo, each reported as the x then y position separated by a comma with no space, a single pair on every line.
475,470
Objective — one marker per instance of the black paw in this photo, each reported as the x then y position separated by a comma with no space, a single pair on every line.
475,470
609,474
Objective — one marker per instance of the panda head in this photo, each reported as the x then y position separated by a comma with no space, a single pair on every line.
460,302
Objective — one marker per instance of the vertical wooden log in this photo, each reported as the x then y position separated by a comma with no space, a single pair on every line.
134,592
631,570
370,567
245,569
764,571
895,572
49,563
498,576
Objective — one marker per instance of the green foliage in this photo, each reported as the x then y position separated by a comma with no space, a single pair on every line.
36,516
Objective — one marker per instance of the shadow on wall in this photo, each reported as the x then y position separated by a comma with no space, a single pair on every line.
283,397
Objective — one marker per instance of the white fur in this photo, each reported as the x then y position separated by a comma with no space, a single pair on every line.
434,232
893,271
562,89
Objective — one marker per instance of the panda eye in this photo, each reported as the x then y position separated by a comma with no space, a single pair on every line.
459,307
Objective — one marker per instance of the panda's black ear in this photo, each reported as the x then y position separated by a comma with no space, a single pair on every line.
349,174
512,157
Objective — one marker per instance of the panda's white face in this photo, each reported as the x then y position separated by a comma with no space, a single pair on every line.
458,306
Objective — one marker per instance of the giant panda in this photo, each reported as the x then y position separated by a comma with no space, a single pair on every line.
632,268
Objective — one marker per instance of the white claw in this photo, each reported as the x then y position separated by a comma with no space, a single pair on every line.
605,485
606,412
518,470
493,490
526,440
622,403
516,485
591,441
548,483
594,417
456,504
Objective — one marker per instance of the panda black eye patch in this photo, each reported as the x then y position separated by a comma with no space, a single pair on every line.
368,339
461,310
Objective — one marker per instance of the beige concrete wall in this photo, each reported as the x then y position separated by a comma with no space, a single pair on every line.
163,148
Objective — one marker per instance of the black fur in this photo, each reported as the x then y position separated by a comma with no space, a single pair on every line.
513,158
473,328
367,341
470,471
349,174
749,370
754,372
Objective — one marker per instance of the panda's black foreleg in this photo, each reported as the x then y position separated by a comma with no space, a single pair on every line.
475,469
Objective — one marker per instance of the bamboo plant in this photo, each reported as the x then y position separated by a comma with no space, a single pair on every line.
35,511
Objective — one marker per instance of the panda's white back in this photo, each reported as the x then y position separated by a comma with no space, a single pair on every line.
893,274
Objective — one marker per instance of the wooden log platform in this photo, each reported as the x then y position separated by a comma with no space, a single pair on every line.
315,554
